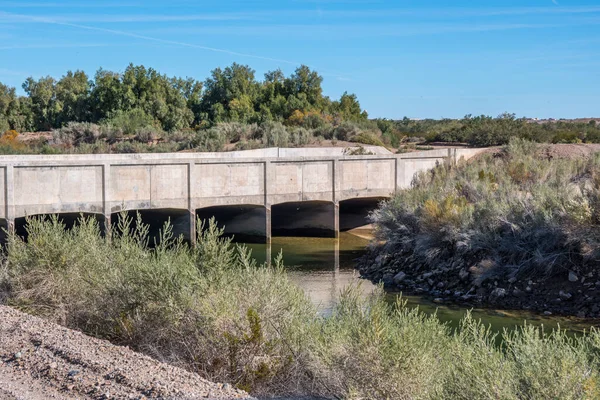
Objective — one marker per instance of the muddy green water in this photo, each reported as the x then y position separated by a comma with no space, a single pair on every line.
323,267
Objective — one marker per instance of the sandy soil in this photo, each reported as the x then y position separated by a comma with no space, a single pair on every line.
41,360
550,151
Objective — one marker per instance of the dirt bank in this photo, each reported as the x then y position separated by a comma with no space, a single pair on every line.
41,360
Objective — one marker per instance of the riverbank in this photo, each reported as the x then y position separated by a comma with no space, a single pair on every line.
516,228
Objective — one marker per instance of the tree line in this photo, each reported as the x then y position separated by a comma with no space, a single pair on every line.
484,130
232,94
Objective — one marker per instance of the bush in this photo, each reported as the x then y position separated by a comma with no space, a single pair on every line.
146,134
4,125
129,122
274,134
346,131
76,133
212,139
212,310
369,138
300,136
236,131
532,215
326,131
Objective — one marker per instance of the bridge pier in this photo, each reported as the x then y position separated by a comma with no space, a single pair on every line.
268,234
336,220
193,233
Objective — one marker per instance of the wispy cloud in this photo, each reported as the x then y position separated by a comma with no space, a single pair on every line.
352,30
58,46
100,18
449,12
78,4
10,72
321,12
143,37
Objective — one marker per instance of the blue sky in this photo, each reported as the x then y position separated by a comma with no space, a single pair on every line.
427,58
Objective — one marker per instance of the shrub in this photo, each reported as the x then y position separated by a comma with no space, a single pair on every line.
4,125
212,139
129,122
274,134
146,134
367,137
518,208
235,131
326,131
346,131
76,133
300,136
212,310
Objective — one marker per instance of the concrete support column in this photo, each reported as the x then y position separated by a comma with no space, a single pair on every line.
267,202
268,225
191,207
336,192
336,255
192,232
107,227
400,166
336,220
106,207
9,198
268,255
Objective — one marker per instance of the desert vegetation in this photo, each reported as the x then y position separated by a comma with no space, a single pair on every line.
141,110
516,227
212,310
482,131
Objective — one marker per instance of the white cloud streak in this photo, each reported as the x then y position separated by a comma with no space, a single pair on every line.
78,4
144,37
57,46
427,13
348,30
10,72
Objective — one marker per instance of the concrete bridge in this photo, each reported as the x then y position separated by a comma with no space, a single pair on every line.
190,184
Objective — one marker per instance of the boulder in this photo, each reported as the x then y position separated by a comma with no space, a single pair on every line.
399,277
573,277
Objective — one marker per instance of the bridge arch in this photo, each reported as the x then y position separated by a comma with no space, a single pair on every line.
244,222
68,219
354,212
304,218
155,218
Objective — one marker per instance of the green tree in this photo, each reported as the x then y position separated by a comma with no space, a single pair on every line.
305,84
107,95
236,87
44,105
72,98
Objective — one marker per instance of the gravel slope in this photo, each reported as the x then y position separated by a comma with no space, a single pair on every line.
42,360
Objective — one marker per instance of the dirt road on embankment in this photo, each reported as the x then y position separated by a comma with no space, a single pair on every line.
40,360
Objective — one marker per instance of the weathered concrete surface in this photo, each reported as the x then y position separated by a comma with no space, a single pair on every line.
110,183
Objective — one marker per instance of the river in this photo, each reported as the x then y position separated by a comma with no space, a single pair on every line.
323,267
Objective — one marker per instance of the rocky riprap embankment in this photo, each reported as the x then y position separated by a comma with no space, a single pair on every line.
572,292
41,360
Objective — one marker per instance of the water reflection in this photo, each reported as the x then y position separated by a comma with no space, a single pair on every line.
323,267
